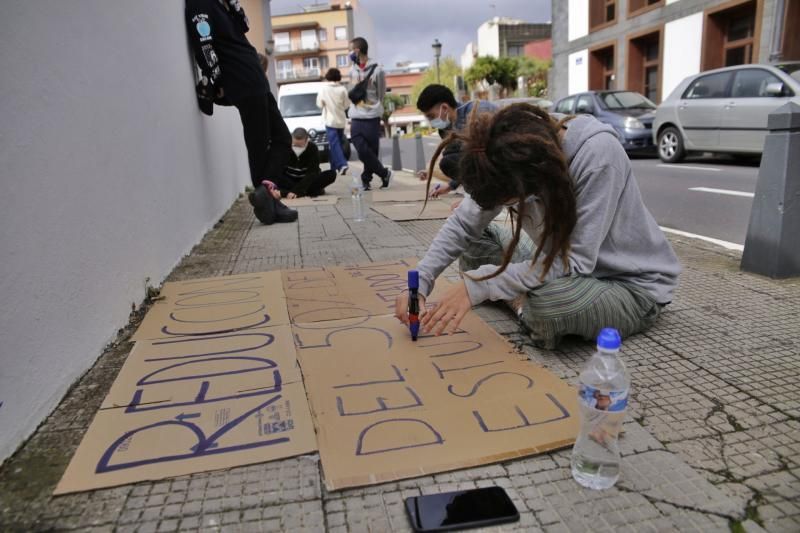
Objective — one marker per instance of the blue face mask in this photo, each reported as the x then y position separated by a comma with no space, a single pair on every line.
440,123
353,57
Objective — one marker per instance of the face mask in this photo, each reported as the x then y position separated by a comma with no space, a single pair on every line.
440,123
353,57
298,150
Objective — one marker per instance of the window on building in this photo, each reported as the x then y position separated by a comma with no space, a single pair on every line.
602,72
284,69
752,83
729,36
340,33
644,65
637,7
323,34
602,13
515,50
311,64
282,42
323,63
308,40
341,60
711,86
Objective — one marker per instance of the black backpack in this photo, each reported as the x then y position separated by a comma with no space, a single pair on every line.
359,93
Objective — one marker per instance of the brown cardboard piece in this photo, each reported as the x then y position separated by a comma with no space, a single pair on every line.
436,209
216,306
388,408
307,201
414,195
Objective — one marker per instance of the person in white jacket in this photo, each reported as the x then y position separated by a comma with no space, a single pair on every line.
333,101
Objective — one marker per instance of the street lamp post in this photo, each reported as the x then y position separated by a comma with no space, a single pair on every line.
437,52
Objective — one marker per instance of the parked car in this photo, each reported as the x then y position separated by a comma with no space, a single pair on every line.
533,100
298,105
628,112
724,110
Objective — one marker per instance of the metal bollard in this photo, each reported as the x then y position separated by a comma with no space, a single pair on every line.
397,161
420,149
771,245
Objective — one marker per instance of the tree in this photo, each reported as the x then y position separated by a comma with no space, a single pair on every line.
535,72
391,102
502,71
448,70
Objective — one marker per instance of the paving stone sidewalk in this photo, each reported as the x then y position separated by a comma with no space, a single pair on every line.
712,442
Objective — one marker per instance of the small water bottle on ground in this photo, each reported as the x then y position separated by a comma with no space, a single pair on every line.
357,194
603,399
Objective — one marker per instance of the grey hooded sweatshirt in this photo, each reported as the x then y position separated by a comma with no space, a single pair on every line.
615,236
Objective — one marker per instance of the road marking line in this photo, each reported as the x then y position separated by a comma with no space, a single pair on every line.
723,191
689,167
718,242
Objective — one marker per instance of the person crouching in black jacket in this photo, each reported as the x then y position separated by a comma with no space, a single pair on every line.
302,175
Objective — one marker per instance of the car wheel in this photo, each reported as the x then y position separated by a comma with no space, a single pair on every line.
670,145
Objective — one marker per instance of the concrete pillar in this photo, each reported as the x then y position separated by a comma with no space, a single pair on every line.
397,163
420,149
772,247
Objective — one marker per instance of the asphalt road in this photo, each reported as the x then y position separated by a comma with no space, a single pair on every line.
706,196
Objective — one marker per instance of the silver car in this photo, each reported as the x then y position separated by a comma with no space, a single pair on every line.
723,110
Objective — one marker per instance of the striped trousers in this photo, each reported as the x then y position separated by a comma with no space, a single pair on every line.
572,305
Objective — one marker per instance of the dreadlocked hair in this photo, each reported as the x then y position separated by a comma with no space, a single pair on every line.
512,154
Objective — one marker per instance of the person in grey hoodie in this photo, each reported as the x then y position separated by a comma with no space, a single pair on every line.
365,116
593,257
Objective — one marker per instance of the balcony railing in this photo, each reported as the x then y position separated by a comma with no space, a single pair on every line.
296,47
300,74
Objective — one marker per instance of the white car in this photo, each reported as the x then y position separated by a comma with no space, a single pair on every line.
298,105
724,110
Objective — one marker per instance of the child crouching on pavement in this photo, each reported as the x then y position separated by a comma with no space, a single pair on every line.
302,176
592,255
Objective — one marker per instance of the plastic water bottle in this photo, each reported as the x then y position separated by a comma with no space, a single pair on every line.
603,399
357,193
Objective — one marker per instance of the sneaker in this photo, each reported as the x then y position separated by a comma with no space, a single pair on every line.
366,186
284,213
385,182
263,205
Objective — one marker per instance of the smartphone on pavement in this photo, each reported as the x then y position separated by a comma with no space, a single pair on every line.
461,509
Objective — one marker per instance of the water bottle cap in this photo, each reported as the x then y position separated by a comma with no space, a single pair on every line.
413,279
609,339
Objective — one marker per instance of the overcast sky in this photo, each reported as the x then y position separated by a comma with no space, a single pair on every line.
406,29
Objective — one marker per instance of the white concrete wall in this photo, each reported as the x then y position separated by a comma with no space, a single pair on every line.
682,48
578,15
108,174
489,39
468,57
578,71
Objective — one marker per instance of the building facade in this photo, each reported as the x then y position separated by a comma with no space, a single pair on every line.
650,46
401,81
505,37
307,44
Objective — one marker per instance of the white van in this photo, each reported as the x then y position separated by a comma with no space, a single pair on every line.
298,105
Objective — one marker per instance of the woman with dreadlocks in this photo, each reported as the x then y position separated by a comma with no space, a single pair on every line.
592,255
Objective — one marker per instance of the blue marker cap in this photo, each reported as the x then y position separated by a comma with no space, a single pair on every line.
609,339
413,279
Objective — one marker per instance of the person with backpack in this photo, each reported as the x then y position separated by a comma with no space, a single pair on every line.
333,101
366,110
232,75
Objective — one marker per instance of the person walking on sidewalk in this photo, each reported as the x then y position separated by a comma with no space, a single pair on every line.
594,257
438,104
232,75
366,112
332,99
302,176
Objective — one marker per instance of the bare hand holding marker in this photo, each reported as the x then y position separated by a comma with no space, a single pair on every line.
401,307
422,175
449,312
440,190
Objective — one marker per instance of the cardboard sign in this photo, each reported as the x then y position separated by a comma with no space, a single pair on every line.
216,306
415,195
436,209
389,408
307,201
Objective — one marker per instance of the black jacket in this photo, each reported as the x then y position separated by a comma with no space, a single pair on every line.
226,58
301,172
